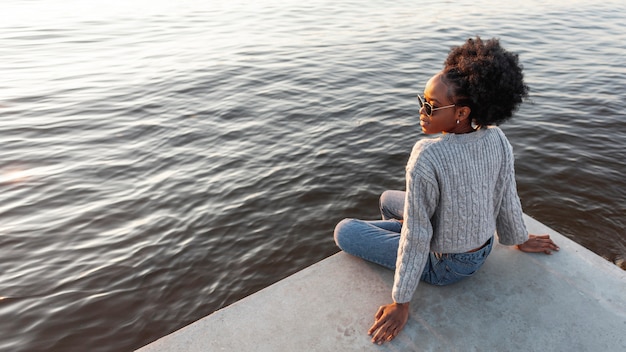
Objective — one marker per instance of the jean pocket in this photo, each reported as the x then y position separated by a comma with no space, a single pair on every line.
465,264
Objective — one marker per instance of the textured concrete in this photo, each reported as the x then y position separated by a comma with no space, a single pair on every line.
570,301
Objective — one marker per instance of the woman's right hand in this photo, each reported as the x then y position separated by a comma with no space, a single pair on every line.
536,244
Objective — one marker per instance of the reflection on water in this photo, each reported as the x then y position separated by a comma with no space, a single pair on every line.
161,160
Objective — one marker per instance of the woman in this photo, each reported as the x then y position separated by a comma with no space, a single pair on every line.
460,186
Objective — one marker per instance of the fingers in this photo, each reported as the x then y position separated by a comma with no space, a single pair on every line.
383,329
553,246
548,245
386,333
377,321
375,327
543,243
539,244
379,312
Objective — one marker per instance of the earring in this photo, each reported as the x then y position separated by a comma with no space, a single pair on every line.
457,122
473,124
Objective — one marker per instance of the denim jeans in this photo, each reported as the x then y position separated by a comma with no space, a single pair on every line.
377,241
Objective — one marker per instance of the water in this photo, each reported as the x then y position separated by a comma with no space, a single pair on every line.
161,160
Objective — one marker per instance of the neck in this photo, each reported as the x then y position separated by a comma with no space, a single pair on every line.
461,129
469,129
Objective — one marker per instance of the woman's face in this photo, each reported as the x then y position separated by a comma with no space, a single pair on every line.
443,115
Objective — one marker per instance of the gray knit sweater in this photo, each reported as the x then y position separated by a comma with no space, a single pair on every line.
460,189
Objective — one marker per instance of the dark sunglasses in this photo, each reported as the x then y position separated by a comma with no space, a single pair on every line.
429,109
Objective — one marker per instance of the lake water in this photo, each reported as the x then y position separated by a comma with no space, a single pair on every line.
162,159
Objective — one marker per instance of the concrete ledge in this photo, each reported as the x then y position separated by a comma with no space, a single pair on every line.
573,300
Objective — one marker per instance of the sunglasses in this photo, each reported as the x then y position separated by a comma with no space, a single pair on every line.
429,109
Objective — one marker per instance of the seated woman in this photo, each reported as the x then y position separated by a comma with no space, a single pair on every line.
460,186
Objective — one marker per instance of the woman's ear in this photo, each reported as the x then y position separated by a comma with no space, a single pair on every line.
463,113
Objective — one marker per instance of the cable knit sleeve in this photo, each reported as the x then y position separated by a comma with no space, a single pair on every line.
510,222
421,201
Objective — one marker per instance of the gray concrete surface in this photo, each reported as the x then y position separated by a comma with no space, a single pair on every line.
573,300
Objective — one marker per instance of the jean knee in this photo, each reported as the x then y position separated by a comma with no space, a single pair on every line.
342,233
391,204
383,197
387,193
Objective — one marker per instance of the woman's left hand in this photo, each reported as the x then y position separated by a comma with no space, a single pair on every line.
535,244
389,321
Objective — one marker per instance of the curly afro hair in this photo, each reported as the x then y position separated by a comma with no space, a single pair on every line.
486,78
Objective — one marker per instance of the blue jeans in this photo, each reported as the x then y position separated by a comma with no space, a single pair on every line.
377,242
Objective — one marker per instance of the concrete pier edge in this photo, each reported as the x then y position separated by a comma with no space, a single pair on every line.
572,300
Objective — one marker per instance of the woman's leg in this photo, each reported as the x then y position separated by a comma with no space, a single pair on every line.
374,241
392,205
377,242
